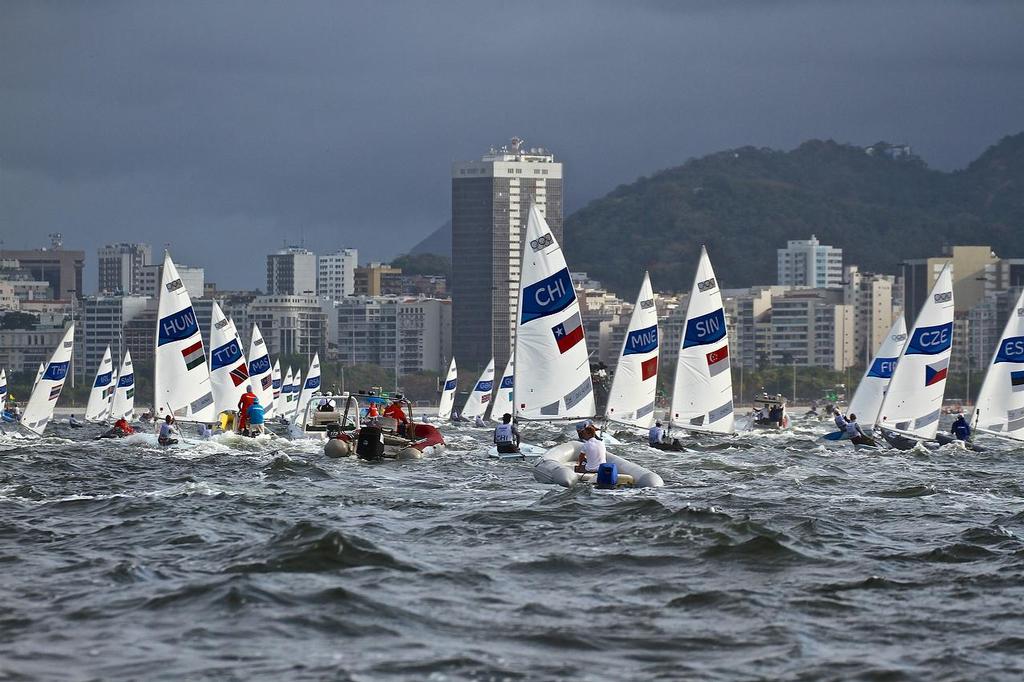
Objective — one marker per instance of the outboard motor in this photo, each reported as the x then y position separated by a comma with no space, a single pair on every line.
607,475
370,444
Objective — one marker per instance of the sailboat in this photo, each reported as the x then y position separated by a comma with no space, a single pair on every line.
552,364
999,410
260,369
310,387
3,388
39,410
631,399
702,390
39,375
444,407
123,404
275,386
98,408
502,403
480,397
293,411
181,376
867,399
912,405
229,372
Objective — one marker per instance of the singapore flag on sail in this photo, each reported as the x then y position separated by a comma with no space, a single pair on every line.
718,360
569,333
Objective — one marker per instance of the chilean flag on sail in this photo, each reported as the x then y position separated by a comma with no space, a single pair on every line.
933,374
569,333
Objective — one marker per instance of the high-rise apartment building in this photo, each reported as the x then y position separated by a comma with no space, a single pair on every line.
292,272
120,267
290,325
150,276
101,323
490,201
60,269
806,262
336,273
971,269
871,296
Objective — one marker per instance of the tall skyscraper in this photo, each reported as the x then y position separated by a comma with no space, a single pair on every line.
292,272
336,272
120,267
806,262
490,201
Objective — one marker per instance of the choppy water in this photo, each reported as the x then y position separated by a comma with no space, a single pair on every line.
762,558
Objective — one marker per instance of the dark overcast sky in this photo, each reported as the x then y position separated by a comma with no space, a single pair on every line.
225,128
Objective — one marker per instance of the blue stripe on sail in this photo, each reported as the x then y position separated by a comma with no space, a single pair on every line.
126,381
484,385
882,368
177,326
1011,350
103,380
450,385
641,341
312,383
930,340
56,371
548,296
508,382
705,329
259,366
225,355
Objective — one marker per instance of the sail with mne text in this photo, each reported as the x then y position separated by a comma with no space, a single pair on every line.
631,399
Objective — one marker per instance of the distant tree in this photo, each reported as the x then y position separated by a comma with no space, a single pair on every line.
423,264
18,320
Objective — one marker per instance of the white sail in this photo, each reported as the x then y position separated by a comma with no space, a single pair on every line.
480,397
310,386
293,411
275,386
867,399
702,391
553,366
181,376
286,394
1000,404
444,407
913,403
229,372
631,399
260,370
98,407
3,388
43,400
503,396
124,395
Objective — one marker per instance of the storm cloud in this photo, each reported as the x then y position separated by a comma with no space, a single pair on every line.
230,128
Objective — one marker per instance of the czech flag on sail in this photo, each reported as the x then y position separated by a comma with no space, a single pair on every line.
194,355
239,374
649,368
718,360
569,333
933,374
1017,380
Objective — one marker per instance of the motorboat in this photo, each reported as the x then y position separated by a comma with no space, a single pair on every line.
773,409
557,467
354,424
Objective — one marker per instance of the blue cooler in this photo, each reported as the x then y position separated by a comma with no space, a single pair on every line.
607,475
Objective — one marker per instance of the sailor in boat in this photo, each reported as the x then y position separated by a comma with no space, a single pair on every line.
204,431
371,412
167,431
120,429
961,430
656,435
775,414
506,436
839,419
244,403
581,428
255,421
593,454
74,423
395,411
856,434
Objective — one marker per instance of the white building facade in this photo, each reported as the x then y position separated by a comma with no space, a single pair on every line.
336,274
808,263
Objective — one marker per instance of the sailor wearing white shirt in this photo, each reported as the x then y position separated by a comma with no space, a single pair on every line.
656,434
593,454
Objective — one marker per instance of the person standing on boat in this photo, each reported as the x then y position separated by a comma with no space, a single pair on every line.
244,403
506,435
961,430
593,454
255,418
656,435
395,411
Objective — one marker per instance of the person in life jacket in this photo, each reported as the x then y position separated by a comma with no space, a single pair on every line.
839,419
246,401
166,431
371,412
395,411
255,416
656,435
506,435
961,430
123,426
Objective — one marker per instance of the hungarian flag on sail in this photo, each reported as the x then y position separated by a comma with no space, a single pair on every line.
194,355
933,374
239,374
718,360
1017,380
569,333
649,368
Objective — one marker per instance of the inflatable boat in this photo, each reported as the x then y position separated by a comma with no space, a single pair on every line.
557,464
349,430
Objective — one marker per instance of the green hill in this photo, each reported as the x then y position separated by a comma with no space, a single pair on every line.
746,203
